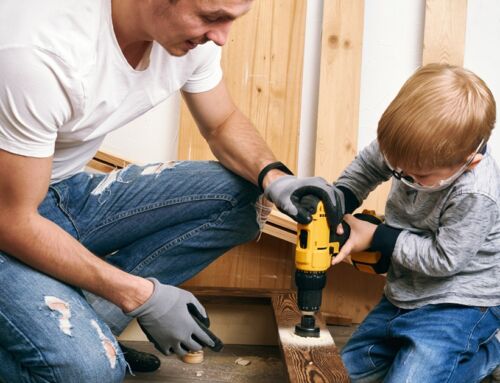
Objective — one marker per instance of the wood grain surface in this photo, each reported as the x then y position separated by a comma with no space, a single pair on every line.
340,73
262,64
444,33
307,363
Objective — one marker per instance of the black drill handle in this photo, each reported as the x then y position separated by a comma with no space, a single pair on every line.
342,239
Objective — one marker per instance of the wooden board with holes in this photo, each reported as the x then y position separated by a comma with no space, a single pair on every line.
307,359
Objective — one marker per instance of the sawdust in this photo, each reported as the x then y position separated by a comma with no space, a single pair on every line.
288,337
242,362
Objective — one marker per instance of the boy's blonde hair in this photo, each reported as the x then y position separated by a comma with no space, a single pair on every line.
437,120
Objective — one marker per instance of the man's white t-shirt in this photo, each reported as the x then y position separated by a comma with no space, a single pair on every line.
65,84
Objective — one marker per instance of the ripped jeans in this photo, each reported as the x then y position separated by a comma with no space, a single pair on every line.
168,221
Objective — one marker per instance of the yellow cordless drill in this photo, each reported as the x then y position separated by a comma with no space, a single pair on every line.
316,245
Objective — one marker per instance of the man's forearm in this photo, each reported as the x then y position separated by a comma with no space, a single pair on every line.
46,247
238,146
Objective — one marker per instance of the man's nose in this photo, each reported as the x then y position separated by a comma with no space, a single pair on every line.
219,33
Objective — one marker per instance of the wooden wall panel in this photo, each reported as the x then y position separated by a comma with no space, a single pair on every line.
262,62
338,109
268,263
444,34
351,293
262,65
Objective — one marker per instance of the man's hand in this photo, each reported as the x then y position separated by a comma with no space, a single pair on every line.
175,321
287,194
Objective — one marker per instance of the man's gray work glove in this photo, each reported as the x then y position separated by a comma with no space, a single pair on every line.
175,321
287,194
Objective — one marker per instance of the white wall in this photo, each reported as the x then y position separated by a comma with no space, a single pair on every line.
482,52
392,50
150,138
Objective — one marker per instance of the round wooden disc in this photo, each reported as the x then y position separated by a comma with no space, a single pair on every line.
193,357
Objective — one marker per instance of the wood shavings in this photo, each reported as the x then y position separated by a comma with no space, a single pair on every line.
242,362
288,337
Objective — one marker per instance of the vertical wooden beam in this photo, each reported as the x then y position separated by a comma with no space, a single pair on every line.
444,33
349,293
262,65
338,109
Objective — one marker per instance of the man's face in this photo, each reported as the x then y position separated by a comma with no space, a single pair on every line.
181,26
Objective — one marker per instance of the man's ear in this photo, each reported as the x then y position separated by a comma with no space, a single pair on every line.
477,159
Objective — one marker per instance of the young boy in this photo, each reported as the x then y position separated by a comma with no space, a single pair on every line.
439,318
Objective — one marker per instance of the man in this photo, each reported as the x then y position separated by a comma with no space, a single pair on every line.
82,254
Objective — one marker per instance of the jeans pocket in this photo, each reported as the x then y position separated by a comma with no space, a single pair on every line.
493,328
496,311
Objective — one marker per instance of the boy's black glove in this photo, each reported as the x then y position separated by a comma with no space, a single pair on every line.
383,242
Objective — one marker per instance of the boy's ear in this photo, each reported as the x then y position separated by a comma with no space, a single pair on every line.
477,159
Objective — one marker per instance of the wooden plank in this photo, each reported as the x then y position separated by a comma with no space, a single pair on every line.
340,83
307,359
100,166
278,232
111,159
267,263
277,218
262,64
340,73
228,292
444,32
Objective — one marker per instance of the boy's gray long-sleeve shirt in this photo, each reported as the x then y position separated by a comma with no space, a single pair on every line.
449,248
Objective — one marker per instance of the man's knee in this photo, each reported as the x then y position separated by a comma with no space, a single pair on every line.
87,353
106,364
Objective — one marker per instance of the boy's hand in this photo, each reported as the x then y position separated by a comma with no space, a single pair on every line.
360,238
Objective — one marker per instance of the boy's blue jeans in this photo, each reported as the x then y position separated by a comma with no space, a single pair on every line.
435,343
167,221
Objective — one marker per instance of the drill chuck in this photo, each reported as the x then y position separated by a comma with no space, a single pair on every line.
309,289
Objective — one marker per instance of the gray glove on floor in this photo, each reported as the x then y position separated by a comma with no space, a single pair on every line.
287,192
175,321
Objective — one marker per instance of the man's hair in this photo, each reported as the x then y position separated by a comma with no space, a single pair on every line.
438,118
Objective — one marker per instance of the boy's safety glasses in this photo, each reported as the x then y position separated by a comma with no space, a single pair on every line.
438,186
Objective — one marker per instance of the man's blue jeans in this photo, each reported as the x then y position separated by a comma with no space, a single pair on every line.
168,221
442,343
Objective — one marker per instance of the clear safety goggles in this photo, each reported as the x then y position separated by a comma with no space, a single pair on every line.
438,186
